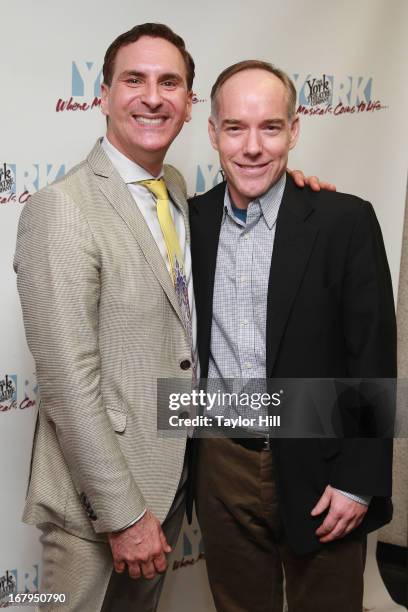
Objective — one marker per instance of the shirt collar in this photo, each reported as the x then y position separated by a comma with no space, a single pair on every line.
129,171
269,202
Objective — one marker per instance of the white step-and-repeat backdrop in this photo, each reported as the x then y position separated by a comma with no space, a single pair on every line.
347,59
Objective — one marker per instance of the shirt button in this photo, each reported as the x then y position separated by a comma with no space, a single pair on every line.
243,279
185,365
248,366
244,322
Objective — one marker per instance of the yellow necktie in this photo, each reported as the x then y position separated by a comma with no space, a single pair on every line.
174,254
158,188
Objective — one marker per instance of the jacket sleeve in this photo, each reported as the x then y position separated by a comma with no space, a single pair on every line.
58,278
364,465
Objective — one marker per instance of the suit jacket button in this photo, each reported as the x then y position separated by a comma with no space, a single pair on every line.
185,364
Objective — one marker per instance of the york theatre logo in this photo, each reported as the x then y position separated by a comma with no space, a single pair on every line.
8,586
85,87
8,388
9,397
18,182
326,94
320,90
7,179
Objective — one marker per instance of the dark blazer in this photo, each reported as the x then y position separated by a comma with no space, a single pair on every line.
330,314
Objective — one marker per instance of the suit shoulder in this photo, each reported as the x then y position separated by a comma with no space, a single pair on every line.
336,206
76,174
70,190
175,175
341,201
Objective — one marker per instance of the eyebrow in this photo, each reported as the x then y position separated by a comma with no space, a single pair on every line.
163,77
233,122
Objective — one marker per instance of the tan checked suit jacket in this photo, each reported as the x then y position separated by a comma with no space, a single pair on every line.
102,322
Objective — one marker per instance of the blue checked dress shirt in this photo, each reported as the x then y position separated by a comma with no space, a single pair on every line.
238,347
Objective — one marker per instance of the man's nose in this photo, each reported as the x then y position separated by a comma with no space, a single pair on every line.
151,95
253,143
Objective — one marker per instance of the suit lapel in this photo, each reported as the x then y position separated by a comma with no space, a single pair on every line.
178,197
205,220
117,193
294,240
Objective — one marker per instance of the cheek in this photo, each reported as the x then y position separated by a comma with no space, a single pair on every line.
279,148
228,150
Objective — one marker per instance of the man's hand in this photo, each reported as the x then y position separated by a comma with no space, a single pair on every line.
314,183
142,547
344,515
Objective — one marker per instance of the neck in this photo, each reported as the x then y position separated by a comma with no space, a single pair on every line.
238,199
151,163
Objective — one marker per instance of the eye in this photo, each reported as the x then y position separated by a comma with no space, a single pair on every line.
273,128
133,81
169,84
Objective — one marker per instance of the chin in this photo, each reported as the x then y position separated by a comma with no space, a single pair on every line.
254,191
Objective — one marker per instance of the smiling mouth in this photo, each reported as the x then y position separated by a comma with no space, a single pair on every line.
252,168
150,121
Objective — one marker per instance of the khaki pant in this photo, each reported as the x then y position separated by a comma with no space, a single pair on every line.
245,546
83,570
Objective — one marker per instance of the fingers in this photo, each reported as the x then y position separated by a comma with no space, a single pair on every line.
323,503
165,545
119,566
313,183
333,531
160,563
134,571
328,525
301,180
142,547
298,177
339,530
148,570
327,186
338,525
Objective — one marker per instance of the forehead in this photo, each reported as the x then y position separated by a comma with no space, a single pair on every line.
251,93
150,55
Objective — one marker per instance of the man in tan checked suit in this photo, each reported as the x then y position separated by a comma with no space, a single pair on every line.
103,322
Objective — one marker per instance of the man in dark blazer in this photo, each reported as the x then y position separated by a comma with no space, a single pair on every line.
288,283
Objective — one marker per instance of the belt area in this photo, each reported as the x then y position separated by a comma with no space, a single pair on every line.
254,444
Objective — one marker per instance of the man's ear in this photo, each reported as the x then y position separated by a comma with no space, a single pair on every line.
189,106
105,99
294,131
212,132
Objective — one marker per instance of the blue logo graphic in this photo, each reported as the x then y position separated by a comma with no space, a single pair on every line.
190,544
86,79
18,182
208,176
